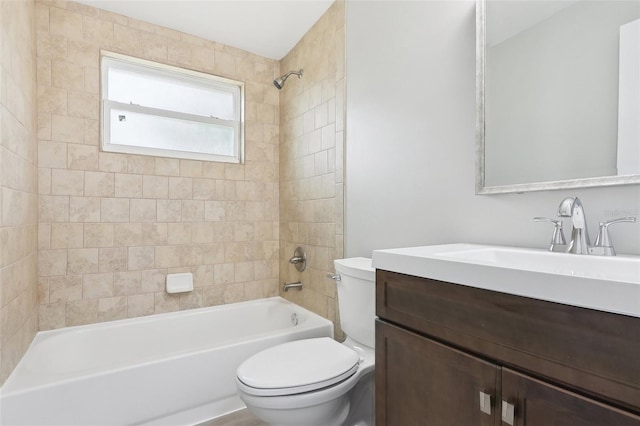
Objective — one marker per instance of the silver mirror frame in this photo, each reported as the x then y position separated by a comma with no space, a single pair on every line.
481,188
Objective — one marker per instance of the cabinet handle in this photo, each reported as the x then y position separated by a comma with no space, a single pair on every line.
485,403
508,413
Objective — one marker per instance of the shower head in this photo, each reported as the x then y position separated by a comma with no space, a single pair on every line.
279,82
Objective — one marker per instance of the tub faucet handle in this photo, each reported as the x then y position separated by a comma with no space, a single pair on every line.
558,243
299,259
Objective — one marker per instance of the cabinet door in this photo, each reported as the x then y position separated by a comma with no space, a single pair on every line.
537,403
422,382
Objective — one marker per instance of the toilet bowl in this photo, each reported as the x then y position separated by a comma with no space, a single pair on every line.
320,381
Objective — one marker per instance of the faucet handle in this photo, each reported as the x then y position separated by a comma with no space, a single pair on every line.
557,239
603,239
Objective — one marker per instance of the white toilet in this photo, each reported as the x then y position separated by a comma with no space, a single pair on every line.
320,381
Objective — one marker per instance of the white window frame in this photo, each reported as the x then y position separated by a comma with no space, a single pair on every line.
236,88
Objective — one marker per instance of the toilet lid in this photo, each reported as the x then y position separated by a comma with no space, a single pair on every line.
298,366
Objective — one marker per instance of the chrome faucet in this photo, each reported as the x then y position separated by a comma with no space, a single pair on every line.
580,243
572,207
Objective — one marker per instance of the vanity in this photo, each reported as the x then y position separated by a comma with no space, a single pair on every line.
482,335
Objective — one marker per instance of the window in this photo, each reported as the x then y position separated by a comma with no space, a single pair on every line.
155,109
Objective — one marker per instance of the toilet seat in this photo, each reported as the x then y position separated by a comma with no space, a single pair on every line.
297,367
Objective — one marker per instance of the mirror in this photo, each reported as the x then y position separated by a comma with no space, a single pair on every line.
558,94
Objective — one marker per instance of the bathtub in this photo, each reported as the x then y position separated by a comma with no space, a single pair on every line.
167,369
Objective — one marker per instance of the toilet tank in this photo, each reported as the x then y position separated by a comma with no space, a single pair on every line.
357,298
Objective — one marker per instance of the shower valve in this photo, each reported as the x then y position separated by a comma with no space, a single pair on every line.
299,259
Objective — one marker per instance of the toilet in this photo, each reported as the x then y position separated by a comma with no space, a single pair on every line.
320,381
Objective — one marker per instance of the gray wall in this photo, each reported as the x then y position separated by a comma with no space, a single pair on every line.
411,136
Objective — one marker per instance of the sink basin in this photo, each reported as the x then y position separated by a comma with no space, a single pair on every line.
610,284
600,267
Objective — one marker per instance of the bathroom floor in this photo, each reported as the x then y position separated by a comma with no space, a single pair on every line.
239,418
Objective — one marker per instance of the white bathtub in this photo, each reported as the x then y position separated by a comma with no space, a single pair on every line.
168,369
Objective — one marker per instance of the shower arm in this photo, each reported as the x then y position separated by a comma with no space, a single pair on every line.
298,73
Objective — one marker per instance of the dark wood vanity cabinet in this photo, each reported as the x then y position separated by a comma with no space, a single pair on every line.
454,355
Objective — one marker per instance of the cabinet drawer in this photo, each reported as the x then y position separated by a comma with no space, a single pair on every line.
592,351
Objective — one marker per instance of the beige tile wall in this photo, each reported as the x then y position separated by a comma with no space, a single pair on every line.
311,161
18,183
111,226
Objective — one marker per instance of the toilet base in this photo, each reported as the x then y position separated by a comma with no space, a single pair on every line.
330,413
353,408
362,411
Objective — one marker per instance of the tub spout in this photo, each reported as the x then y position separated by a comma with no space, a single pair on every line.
296,285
